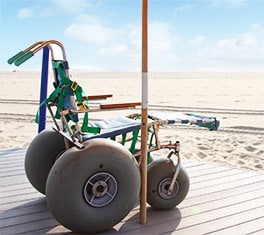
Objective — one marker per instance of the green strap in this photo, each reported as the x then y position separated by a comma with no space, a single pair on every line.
123,139
59,94
51,98
86,128
78,91
73,85
134,141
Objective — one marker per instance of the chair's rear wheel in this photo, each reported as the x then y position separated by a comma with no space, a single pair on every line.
41,154
92,189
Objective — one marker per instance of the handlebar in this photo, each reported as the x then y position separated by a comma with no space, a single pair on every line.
15,57
23,58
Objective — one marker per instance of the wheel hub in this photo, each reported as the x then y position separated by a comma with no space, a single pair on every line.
100,189
164,187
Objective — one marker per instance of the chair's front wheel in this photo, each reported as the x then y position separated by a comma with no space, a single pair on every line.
160,174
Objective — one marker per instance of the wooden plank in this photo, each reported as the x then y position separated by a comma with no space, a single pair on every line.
120,106
14,187
257,232
25,218
203,189
19,197
31,207
207,170
19,201
204,198
216,176
19,189
222,218
211,182
13,180
97,97
11,172
249,227
223,202
32,226
11,158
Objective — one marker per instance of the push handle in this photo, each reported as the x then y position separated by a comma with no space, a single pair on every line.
23,58
15,57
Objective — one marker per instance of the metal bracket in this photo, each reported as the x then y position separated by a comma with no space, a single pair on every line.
75,142
177,167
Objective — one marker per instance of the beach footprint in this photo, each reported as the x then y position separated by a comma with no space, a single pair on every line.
203,147
201,155
260,152
250,148
259,166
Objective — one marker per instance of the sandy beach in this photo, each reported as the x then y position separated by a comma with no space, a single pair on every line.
235,99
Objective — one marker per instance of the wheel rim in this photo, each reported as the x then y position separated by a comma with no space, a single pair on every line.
100,189
164,186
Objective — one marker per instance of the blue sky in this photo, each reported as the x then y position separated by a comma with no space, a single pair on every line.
105,35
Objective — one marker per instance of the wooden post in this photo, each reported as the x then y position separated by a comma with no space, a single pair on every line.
144,112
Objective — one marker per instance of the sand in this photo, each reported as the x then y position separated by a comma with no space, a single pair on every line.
235,99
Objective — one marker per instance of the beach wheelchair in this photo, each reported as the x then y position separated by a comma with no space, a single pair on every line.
89,170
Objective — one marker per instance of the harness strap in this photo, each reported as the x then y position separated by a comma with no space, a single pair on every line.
64,89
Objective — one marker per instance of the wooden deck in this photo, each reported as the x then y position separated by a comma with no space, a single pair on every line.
221,200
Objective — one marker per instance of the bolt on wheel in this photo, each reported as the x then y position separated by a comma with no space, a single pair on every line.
164,187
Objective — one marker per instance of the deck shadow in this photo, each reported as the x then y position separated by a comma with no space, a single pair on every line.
158,222
34,217
28,218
